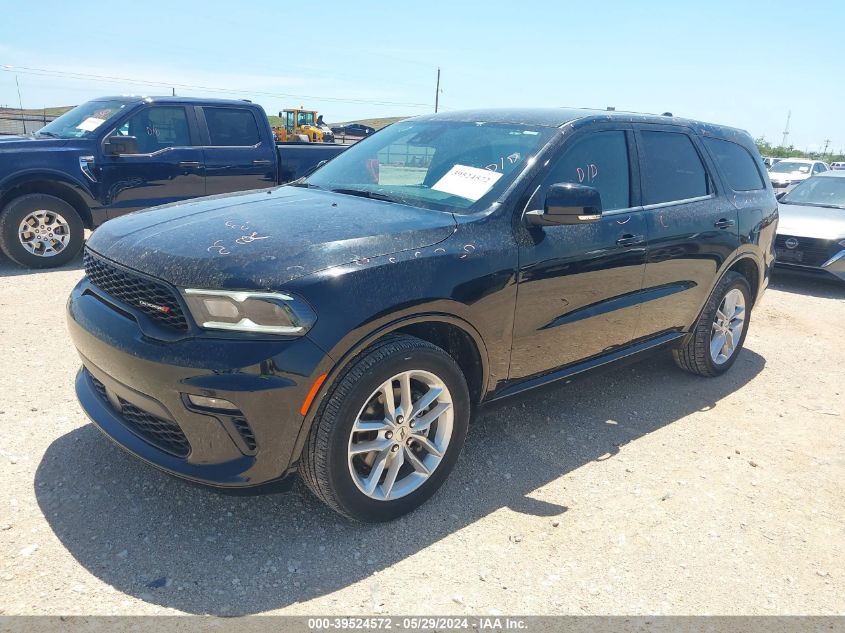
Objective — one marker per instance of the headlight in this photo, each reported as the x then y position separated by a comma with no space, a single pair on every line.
247,311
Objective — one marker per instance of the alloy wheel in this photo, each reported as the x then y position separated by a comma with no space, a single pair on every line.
44,233
727,326
400,435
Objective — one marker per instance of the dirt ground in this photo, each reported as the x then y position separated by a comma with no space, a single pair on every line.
640,490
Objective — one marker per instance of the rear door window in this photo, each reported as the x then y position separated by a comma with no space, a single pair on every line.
671,168
598,160
737,164
231,127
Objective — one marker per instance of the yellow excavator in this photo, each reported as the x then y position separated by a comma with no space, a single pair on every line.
302,126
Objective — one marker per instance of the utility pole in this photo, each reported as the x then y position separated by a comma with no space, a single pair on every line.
437,92
20,103
786,129
826,145
174,91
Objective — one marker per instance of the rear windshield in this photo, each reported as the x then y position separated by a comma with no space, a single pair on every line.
789,167
443,165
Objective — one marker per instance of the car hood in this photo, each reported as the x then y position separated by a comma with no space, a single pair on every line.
809,221
261,239
790,176
16,143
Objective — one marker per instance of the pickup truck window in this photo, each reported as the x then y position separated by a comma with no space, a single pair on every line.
672,168
232,127
83,120
443,165
598,160
157,128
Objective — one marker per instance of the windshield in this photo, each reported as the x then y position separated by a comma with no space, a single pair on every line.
790,167
824,192
83,120
443,165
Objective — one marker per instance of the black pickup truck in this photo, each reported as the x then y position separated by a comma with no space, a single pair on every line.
115,155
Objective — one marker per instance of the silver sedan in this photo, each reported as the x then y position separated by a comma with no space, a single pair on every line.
811,229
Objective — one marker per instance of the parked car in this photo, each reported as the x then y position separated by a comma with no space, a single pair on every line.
837,166
788,172
353,129
114,155
811,233
768,161
345,326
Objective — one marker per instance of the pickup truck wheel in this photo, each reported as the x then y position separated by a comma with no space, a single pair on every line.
40,231
389,431
713,345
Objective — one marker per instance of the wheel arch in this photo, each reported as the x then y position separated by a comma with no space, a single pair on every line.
48,185
747,266
451,333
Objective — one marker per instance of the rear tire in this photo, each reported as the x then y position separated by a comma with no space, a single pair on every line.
711,348
334,465
40,231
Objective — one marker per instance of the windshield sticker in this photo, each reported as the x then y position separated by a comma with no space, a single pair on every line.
90,124
467,182
503,162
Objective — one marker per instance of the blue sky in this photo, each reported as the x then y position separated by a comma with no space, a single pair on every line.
742,63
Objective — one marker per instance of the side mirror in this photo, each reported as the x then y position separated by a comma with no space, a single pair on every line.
780,195
567,203
116,145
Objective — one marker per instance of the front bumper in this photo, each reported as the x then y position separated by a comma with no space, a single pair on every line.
134,389
784,186
826,257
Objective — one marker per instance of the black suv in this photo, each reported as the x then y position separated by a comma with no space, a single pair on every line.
344,327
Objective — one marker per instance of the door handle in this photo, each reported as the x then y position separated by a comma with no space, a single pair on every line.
724,223
262,163
630,240
189,163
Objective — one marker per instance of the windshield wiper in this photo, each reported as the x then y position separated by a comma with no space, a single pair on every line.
301,182
50,134
363,193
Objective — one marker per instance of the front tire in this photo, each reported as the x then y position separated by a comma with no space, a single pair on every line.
389,431
40,231
711,348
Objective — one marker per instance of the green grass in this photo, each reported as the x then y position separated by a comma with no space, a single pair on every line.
377,123
36,112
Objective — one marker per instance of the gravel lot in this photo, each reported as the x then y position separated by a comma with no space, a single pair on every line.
640,490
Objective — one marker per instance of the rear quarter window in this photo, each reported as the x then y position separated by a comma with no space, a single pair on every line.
737,164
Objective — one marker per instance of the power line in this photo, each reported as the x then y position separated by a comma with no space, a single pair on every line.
46,72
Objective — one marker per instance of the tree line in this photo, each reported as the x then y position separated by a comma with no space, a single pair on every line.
767,149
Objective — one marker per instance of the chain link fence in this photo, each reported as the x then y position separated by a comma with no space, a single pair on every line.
13,121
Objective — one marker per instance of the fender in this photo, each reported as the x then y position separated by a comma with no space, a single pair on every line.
60,178
740,255
344,358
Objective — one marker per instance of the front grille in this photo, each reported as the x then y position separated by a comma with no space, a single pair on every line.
809,251
245,432
153,298
161,433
